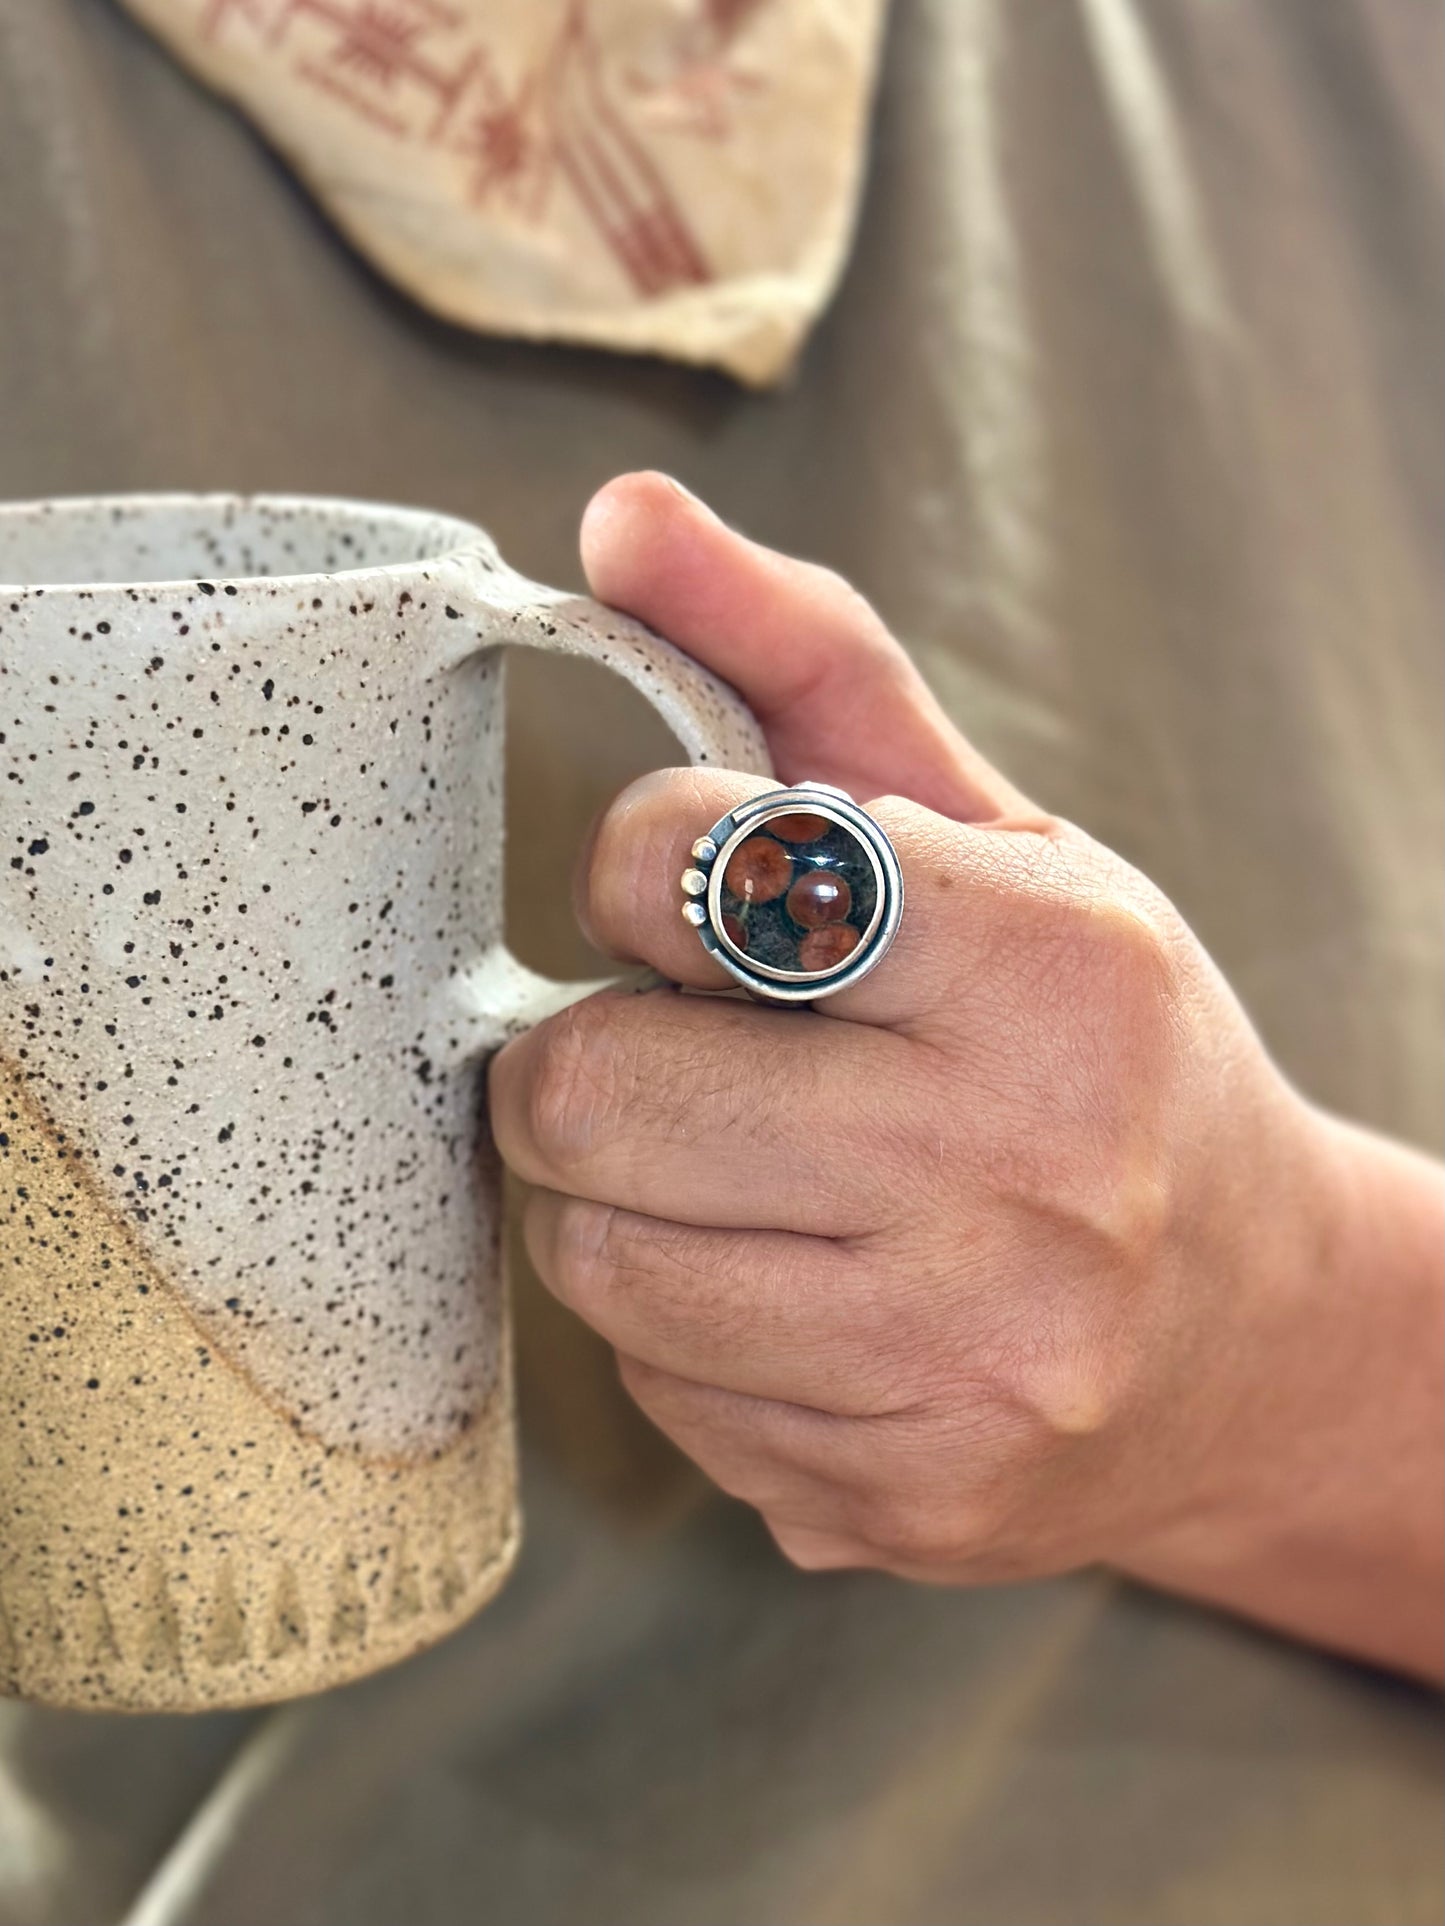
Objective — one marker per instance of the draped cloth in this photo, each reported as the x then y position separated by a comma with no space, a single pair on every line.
1127,416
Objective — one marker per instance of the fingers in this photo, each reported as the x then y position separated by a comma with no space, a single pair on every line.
954,877
790,1460
630,874
815,1550
707,1111
823,1482
839,1491
749,1311
837,696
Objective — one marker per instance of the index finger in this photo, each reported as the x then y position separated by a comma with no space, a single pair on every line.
838,698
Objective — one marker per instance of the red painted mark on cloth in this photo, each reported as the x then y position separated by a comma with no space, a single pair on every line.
406,67
614,178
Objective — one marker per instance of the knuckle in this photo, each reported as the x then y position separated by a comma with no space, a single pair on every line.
1125,1209
672,1403
665,1274
1081,1402
1096,1196
630,849
904,1529
640,1381
811,1550
642,835
1105,1196
584,1254
1067,1383
843,608
1119,942
1110,1033
576,1093
835,591
1064,1398
929,837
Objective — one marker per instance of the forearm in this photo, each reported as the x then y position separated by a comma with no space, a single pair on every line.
1320,1506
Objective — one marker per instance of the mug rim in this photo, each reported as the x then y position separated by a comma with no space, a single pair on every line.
469,536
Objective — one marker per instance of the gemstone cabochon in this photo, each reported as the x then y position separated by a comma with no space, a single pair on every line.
798,894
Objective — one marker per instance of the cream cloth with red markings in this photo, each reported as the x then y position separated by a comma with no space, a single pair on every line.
673,176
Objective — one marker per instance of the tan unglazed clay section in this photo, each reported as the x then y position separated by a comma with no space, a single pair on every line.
169,1539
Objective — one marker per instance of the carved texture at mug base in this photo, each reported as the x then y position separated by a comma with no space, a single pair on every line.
194,1548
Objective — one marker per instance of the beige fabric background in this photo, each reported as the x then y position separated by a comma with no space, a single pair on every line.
1128,417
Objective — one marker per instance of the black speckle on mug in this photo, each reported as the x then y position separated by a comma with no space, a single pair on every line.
283,839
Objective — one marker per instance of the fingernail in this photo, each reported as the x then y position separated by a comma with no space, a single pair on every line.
693,501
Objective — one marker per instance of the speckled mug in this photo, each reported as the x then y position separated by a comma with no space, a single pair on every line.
257,1431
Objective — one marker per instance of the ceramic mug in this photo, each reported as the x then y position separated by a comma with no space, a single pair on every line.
257,1431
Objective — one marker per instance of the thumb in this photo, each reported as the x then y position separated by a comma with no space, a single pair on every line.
837,697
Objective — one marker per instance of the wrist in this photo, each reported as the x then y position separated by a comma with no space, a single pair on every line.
1308,1487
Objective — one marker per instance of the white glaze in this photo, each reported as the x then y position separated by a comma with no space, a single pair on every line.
250,980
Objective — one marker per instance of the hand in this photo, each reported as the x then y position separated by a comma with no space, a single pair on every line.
986,1267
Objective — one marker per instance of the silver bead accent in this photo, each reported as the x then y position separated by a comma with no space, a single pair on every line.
694,913
694,883
704,849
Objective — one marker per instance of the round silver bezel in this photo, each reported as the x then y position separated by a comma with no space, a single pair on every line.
794,986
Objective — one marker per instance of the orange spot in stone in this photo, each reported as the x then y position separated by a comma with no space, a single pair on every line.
798,828
824,949
819,897
758,870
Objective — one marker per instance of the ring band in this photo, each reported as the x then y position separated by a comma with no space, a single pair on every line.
798,893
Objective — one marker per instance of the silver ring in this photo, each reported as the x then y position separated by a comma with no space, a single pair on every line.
798,893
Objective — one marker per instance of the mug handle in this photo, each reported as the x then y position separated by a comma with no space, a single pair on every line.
495,997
